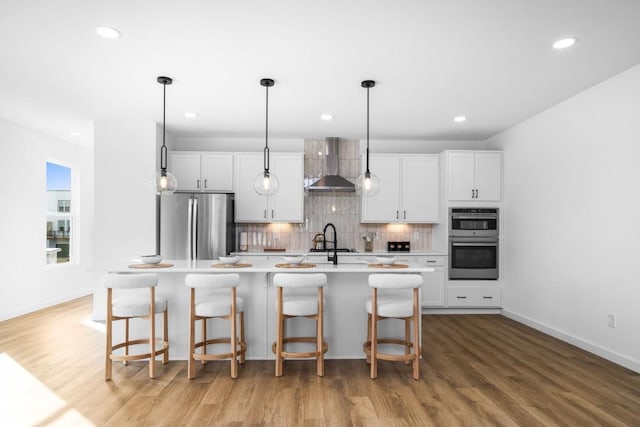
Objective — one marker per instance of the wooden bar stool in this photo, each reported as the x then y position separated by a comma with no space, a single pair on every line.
216,306
308,306
398,307
128,307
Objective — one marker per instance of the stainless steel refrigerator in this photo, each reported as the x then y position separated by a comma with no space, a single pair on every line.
197,226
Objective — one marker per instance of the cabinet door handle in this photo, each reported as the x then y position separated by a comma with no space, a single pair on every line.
472,194
397,214
461,297
271,213
197,183
265,214
431,261
476,193
405,214
205,183
487,297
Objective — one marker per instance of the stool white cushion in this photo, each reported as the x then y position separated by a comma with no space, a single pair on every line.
218,306
393,306
300,305
136,307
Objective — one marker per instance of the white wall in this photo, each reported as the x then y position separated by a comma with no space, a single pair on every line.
126,155
26,282
571,211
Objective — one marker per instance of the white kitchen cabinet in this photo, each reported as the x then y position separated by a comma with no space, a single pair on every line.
434,283
474,296
409,186
474,175
203,171
284,206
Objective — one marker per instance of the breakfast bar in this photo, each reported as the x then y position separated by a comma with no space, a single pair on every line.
345,316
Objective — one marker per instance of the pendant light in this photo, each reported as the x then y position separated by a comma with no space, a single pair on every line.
164,182
266,183
368,184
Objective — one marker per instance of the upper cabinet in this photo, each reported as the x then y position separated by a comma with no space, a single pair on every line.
474,175
286,205
408,189
202,171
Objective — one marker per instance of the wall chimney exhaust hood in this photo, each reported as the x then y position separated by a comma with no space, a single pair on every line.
331,181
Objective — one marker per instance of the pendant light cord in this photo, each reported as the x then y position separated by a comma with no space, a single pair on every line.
266,136
367,172
163,150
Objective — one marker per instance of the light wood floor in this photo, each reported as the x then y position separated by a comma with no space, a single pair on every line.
477,370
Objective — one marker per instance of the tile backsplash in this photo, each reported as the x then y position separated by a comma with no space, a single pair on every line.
341,209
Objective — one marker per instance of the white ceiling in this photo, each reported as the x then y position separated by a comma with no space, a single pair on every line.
490,60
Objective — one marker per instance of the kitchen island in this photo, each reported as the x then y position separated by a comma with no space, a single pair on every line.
345,315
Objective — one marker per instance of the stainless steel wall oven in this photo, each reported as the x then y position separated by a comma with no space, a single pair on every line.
473,243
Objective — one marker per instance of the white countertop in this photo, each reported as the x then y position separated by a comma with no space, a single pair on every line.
183,266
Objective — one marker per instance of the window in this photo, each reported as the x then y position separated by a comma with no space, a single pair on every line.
58,247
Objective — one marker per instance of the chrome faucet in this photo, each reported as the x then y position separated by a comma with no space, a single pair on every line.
333,258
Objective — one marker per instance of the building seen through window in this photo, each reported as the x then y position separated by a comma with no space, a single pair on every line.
59,219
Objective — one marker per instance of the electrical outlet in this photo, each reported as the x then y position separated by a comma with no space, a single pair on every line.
416,235
611,320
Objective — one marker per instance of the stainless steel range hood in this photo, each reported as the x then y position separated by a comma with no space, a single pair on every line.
331,181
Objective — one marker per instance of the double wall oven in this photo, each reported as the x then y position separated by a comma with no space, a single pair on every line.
473,243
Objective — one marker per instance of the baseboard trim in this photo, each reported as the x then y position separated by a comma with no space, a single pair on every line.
44,304
461,310
611,356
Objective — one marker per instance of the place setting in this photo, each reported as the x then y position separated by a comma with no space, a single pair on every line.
387,262
295,262
230,262
151,261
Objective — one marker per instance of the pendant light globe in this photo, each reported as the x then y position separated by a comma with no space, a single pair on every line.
367,184
266,183
164,182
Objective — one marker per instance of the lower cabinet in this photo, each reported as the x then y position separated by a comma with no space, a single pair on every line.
433,286
484,296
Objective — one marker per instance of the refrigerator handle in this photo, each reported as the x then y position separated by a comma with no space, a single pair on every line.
194,231
189,224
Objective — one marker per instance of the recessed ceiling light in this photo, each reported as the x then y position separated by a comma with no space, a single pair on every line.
191,115
564,43
459,119
326,117
108,32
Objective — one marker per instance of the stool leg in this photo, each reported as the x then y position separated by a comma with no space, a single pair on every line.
152,333
108,362
242,356
165,334
407,337
204,340
192,336
368,338
416,335
126,340
279,332
234,337
374,334
320,333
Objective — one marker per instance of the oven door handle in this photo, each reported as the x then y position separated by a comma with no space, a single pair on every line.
481,217
474,244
